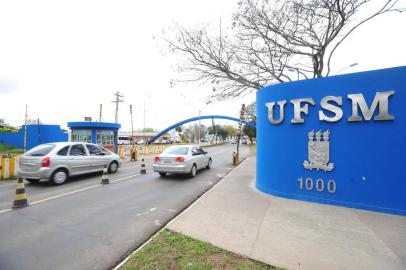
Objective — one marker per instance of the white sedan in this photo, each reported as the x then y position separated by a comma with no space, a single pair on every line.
184,159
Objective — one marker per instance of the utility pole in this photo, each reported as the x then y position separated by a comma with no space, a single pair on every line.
117,101
25,128
100,112
132,125
145,97
133,150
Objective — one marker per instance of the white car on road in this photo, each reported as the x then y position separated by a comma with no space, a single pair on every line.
184,159
58,161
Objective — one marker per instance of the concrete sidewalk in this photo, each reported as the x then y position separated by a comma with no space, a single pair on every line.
293,234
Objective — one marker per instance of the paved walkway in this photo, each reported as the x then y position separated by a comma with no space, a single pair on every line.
293,234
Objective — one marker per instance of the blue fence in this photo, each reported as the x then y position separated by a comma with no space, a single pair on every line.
338,140
36,134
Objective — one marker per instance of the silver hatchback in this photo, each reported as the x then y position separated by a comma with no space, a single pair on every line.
58,161
185,159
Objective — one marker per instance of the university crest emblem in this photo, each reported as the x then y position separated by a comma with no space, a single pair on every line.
318,147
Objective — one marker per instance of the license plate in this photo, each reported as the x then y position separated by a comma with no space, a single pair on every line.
167,161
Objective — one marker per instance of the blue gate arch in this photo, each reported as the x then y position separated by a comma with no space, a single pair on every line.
197,119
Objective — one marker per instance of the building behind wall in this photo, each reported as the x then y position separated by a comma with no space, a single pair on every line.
101,133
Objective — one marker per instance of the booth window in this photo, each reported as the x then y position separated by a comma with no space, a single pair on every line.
81,135
105,137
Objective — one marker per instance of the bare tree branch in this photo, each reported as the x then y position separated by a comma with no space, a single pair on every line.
268,42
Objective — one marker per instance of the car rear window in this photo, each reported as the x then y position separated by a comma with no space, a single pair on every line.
40,150
179,150
63,151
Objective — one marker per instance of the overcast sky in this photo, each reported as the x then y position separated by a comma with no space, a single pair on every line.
64,58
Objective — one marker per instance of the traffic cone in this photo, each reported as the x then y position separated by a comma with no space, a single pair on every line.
143,170
21,198
105,176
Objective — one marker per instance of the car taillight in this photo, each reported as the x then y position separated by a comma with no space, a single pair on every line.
180,159
46,162
156,158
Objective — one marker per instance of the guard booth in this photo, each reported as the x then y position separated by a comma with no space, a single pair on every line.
101,133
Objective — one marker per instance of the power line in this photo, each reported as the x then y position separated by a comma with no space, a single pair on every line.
117,101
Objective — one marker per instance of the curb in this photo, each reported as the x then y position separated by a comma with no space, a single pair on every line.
174,218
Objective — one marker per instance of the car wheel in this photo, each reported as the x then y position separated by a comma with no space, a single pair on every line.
113,167
32,180
59,177
209,164
163,174
193,172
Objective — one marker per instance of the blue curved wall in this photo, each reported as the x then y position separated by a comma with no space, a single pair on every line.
368,157
197,119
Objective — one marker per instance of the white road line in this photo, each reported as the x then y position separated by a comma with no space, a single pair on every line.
5,210
72,192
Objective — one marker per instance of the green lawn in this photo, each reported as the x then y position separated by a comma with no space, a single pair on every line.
171,250
10,150
8,129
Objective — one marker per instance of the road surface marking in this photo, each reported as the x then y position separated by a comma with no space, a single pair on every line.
73,192
145,213
5,210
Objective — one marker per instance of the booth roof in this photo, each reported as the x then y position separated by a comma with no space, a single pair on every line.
94,125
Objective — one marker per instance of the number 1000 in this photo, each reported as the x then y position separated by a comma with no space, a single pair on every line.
319,185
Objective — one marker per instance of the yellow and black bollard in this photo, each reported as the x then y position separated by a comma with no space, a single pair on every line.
21,196
105,176
143,170
236,159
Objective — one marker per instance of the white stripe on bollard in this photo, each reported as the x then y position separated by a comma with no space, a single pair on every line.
6,168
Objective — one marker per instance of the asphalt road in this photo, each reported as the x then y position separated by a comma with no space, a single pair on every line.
84,225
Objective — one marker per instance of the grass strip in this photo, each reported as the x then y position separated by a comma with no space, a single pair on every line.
10,150
170,250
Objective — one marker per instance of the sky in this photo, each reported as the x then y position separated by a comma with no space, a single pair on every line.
65,58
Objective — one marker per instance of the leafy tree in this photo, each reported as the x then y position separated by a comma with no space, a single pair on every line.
269,42
250,131
148,130
231,130
223,131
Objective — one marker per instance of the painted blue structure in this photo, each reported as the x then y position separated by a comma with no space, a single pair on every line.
96,132
368,156
197,119
36,134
